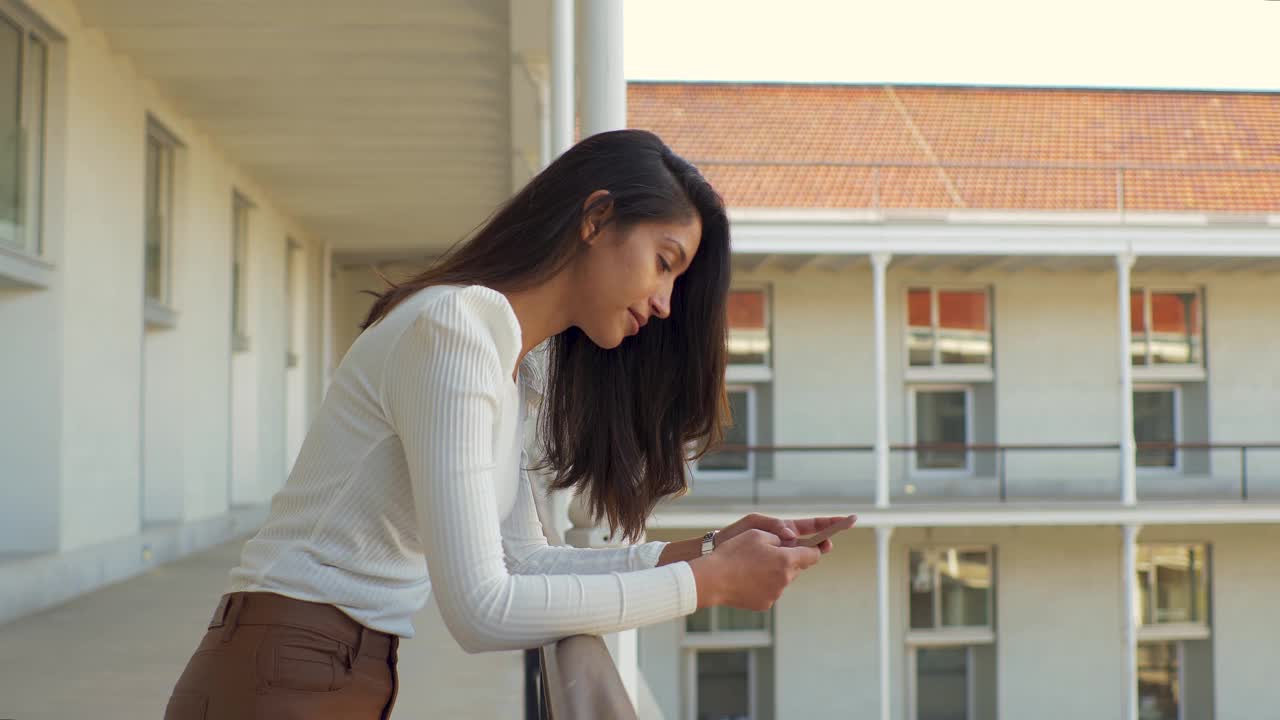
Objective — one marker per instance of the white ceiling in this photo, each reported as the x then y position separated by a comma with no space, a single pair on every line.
380,126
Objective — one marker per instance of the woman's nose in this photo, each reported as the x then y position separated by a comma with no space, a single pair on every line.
661,304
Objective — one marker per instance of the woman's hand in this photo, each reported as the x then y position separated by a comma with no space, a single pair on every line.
787,531
749,570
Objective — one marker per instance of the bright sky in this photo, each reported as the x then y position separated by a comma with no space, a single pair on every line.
1200,44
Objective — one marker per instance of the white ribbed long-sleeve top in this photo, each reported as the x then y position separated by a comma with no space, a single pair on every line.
411,481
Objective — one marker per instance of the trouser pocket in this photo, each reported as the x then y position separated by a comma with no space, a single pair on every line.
186,707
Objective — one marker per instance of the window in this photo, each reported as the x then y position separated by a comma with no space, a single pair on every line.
941,415
1173,585
162,148
734,463
1155,420
292,305
24,62
240,209
950,588
1167,328
1159,682
1175,644
951,645
749,341
948,327
729,665
726,619
953,682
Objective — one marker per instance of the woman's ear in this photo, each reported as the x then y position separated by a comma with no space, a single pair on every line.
595,213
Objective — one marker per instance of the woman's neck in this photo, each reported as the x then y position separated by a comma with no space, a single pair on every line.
542,311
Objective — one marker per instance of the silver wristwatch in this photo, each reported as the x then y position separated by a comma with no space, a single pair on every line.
709,542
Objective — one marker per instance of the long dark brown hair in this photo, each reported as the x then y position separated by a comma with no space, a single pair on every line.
618,426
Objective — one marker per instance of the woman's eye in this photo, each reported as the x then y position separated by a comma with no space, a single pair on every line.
666,266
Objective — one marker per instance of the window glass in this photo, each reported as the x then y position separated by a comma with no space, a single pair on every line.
1158,687
1154,421
963,335
748,327
942,683
11,136
1175,329
965,588
729,619
157,214
736,434
1172,583
35,91
1138,327
949,587
941,418
922,569
920,327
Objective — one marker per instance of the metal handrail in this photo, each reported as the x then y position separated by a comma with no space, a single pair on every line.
1001,450
578,680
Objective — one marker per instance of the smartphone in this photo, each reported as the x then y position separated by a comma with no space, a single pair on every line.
816,539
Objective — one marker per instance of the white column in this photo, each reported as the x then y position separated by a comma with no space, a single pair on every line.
562,52
623,645
882,614
604,89
1127,582
879,265
1128,452
603,107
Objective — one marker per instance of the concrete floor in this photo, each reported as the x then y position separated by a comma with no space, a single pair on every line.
115,654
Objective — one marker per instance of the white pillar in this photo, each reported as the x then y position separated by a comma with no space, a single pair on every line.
882,614
1128,451
604,88
604,107
879,265
562,52
623,645
1131,610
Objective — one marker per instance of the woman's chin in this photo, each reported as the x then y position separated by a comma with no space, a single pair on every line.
608,341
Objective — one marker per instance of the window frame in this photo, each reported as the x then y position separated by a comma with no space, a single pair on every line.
912,436
754,372
753,433
975,372
1176,389
241,208
1185,371
25,265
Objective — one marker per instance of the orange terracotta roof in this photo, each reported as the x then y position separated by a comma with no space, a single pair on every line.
859,146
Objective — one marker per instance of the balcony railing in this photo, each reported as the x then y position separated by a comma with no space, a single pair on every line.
1048,472
574,679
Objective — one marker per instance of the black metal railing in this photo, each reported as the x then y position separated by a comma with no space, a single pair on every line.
987,471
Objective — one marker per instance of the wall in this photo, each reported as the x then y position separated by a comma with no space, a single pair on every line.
110,422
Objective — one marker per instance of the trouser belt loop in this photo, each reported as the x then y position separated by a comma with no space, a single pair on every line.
232,615
354,652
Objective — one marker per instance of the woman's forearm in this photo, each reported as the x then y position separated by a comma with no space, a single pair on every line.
681,550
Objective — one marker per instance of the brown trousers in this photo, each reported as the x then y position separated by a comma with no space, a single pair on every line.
269,656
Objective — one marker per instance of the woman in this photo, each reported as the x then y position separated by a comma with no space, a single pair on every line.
411,479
